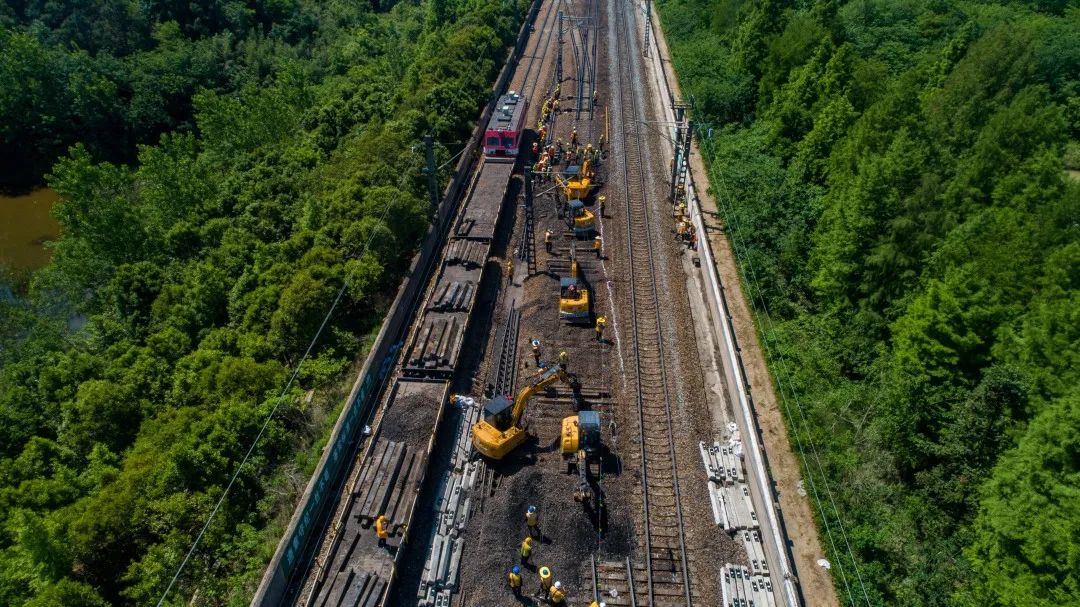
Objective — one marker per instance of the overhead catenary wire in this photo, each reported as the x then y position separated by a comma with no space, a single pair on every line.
280,399
783,381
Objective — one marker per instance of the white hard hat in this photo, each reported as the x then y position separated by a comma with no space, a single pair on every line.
558,584
603,604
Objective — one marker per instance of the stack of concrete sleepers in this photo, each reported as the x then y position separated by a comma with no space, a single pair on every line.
733,511
729,494
454,498
741,588
755,551
437,344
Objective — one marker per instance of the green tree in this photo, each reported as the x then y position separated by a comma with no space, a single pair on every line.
1027,532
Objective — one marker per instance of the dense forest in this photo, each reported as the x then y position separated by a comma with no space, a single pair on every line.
224,168
898,180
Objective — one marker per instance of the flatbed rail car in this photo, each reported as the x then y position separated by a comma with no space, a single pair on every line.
360,568
436,344
506,128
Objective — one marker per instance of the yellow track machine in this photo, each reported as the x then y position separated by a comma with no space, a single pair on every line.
574,295
580,446
576,187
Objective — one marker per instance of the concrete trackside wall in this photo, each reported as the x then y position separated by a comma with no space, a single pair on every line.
300,540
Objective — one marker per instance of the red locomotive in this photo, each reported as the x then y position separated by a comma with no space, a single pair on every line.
506,128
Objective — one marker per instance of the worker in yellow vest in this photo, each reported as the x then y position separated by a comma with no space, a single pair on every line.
600,322
597,244
545,579
532,521
603,203
380,530
515,580
526,550
556,594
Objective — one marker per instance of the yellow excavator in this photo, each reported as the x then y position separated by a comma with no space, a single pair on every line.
578,181
500,431
574,294
580,446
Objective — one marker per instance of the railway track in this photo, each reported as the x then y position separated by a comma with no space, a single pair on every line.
540,53
667,576
506,367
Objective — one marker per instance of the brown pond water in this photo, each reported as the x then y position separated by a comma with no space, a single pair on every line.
25,225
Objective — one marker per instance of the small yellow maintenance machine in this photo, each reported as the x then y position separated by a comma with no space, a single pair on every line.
580,446
574,294
576,187
501,431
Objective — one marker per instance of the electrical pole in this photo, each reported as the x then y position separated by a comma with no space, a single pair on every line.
688,138
528,187
432,177
676,162
581,71
648,24
558,57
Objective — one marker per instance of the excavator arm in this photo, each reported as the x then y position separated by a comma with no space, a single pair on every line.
551,375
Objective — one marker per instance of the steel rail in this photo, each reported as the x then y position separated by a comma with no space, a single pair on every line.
545,42
649,359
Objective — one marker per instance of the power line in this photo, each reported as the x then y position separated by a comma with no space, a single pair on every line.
280,398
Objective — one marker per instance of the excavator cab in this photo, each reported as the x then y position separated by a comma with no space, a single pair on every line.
498,412
580,432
